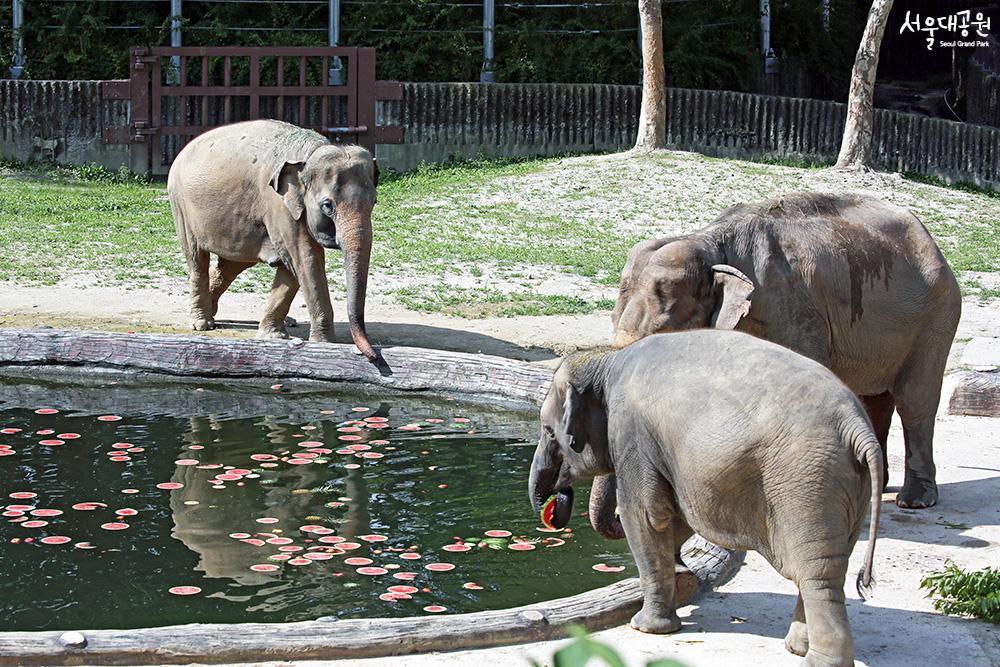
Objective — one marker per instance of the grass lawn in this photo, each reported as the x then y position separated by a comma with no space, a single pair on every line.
477,239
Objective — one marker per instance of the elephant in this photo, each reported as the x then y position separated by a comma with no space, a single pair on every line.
850,281
741,440
268,191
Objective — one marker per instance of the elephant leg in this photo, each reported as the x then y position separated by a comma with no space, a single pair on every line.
829,633
880,408
283,290
917,392
797,639
651,541
222,276
685,581
310,269
202,318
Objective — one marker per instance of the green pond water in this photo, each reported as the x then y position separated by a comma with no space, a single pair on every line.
309,479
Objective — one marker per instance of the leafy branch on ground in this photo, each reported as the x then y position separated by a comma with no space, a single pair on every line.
963,593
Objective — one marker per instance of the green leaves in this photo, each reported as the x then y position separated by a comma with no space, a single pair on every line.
965,593
583,649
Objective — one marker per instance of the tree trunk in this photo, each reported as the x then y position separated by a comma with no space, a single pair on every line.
856,149
653,114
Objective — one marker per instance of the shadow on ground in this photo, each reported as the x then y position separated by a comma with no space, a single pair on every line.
962,506
768,615
390,334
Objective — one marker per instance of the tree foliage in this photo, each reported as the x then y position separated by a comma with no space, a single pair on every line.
708,43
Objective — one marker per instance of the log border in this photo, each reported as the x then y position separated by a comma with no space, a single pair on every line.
327,639
406,369
976,394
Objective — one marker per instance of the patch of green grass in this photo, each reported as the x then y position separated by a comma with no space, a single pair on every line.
436,218
55,223
964,186
963,593
474,218
971,286
480,302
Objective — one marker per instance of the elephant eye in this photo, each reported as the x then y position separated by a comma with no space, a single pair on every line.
548,432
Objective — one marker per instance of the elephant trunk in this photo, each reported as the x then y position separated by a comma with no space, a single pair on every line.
603,504
542,480
356,242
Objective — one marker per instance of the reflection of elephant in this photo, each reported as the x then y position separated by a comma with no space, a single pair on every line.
853,283
203,526
269,191
745,442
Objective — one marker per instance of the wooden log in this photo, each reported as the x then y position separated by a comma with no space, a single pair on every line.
328,639
976,393
405,368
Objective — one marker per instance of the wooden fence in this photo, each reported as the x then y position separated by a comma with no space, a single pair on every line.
444,121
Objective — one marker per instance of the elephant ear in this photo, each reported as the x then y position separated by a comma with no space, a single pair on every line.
286,181
571,419
735,302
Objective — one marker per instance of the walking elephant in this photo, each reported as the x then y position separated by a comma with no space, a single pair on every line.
746,442
268,191
847,280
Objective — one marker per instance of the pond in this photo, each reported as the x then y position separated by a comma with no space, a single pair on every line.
144,504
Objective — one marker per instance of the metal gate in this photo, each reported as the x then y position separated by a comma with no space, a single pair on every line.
176,93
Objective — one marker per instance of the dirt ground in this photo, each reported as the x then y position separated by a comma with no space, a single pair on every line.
745,621
164,308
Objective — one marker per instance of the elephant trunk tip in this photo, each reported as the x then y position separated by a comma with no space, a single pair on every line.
364,345
623,338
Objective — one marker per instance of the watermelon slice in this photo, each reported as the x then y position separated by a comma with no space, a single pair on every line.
555,513
548,512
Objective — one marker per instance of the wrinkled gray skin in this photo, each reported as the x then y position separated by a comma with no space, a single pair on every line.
849,281
741,440
268,191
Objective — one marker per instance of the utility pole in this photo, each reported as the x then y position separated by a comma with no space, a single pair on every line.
489,24
770,59
336,73
17,22
176,39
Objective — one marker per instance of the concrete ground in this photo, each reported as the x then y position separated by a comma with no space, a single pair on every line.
745,621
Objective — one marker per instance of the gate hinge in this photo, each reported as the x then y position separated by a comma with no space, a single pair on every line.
141,130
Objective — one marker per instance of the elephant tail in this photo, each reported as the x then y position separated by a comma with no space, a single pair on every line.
870,453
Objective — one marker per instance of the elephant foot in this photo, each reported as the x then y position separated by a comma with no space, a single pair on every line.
917,495
655,624
685,584
815,659
203,325
797,639
271,333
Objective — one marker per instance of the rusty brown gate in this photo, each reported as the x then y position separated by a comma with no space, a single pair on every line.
176,93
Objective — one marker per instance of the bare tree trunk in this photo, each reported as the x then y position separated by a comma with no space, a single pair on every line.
653,114
856,149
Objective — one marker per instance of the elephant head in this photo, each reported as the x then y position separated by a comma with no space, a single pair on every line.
332,192
573,443
668,285
677,284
